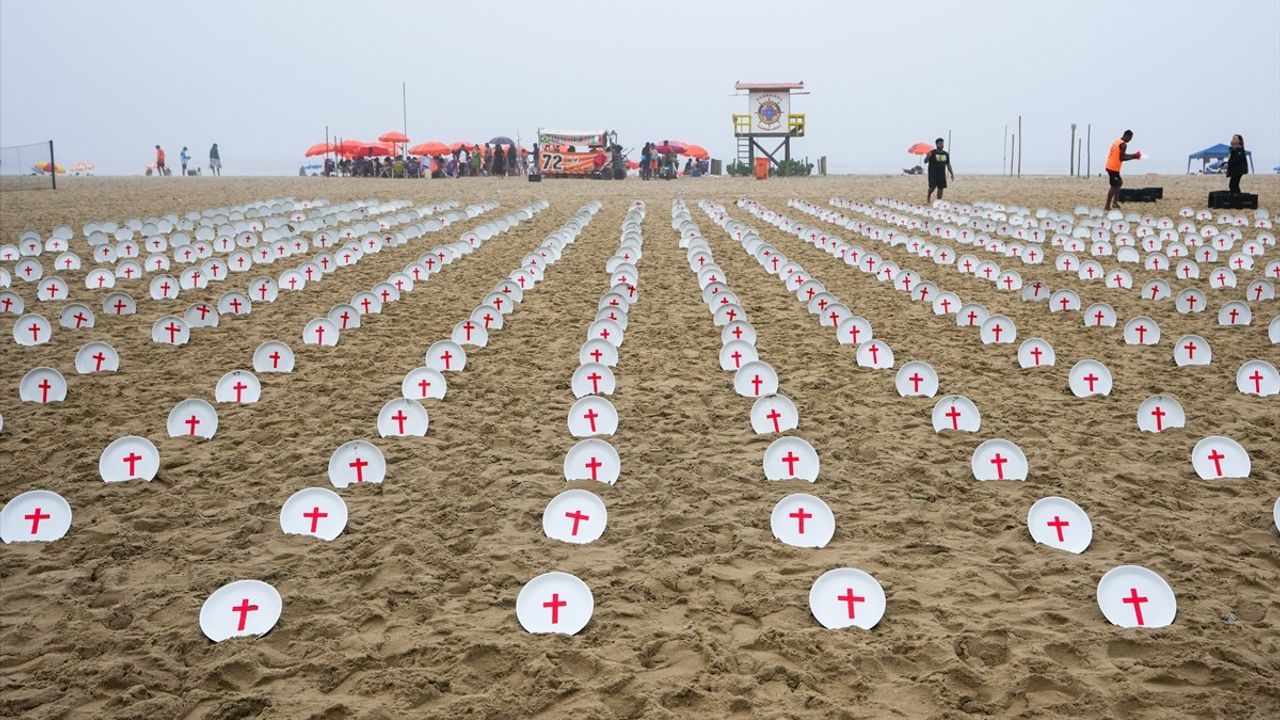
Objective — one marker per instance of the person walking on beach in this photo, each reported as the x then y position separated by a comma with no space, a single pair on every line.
160,161
1237,164
1116,158
215,160
183,157
511,160
499,168
939,163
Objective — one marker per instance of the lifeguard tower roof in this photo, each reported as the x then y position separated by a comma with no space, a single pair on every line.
767,87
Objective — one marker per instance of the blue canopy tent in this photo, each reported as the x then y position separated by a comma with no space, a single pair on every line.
1216,152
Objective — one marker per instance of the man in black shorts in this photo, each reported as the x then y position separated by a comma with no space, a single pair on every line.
1116,157
939,164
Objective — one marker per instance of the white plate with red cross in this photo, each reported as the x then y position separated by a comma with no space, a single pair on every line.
803,520
1088,378
592,415
555,602
273,356
402,418
97,356
956,413
592,379
445,356
999,460
594,460
1192,350
318,512
575,516
917,379
129,458
32,329
241,608
847,597
1060,523
1133,596
755,379
1259,378
193,417
35,516
773,415
790,458
1217,458
1159,413
356,462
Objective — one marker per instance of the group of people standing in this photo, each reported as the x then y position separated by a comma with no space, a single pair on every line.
184,157
482,160
938,164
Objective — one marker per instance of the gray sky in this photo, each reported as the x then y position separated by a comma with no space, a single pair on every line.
107,81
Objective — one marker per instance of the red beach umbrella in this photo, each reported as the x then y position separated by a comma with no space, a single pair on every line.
920,149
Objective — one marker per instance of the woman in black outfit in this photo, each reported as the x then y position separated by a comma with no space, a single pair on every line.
1237,164
499,161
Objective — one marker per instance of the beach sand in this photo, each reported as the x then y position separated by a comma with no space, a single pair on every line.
699,610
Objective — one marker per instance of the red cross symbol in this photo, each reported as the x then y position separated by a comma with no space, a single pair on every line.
1036,352
173,331
311,272
315,516
1190,347
1256,377
262,291
871,263
915,381
555,603
1159,415
8,302
756,382
1091,379
359,464
987,272
596,354
973,317
1234,313
577,517
192,422
98,359
1089,271
1217,459
996,330
35,519
102,279
906,282
800,515
275,359
29,269
400,417
164,288
80,319
954,414
320,334
849,598
1064,302
1142,333
1222,279
946,306
239,387
244,608
1057,524
999,461
488,318
132,459
44,390
1117,279
791,459
968,266
204,311
346,257
924,293
1136,600
1257,292
385,294
446,356
737,360
1008,282
1239,263
235,305
591,416
875,354
345,317
35,331
594,465
1098,317
774,415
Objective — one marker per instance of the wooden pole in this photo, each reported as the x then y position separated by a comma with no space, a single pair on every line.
1013,140
1088,163
1019,146
1071,167
1079,155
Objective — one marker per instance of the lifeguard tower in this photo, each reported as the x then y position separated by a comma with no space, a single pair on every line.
768,117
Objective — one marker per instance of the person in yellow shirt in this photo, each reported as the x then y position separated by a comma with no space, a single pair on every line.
1115,159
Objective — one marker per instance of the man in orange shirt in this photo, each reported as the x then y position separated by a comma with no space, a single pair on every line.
1114,160
160,161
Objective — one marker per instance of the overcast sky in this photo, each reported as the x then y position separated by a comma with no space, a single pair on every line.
107,81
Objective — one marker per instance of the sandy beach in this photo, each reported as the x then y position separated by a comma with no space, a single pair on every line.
699,610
